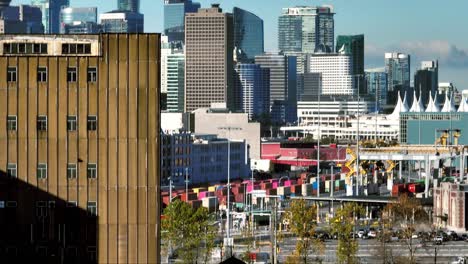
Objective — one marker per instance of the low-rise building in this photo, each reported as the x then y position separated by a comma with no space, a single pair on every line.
451,207
201,158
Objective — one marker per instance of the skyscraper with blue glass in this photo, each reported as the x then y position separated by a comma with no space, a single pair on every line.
376,80
78,18
174,18
252,89
51,13
129,5
248,35
306,29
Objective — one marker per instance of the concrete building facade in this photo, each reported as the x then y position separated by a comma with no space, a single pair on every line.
451,206
209,71
79,126
218,122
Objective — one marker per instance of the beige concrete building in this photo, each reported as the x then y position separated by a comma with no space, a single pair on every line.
79,129
209,58
233,126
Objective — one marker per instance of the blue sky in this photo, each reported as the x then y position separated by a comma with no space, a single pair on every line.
426,29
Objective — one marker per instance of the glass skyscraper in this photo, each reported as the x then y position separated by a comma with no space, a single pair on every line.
122,22
283,80
252,89
129,5
377,85
51,13
248,35
354,46
397,67
306,29
175,65
174,18
426,80
78,16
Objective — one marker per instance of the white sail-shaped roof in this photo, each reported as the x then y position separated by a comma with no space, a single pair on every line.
417,106
405,104
463,106
449,106
432,105
401,107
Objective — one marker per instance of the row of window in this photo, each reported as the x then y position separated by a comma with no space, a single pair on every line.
72,74
42,170
42,251
41,48
72,123
43,206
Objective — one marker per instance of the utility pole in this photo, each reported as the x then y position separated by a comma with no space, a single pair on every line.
186,184
318,140
228,210
357,139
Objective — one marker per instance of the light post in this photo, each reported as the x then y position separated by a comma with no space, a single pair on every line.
186,184
228,210
332,164
282,177
358,137
318,140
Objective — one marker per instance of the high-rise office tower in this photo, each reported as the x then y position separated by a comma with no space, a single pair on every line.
129,5
426,80
303,30
79,174
252,85
22,19
335,71
248,35
283,101
376,82
119,21
354,45
397,67
174,18
209,58
175,65
51,13
73,16
306,29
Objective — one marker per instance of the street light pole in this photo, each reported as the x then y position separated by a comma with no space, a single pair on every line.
358,138
228,210
318,139
186,184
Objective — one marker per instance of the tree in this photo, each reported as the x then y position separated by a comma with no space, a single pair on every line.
385,235
406,214
302,219
188,231
342,226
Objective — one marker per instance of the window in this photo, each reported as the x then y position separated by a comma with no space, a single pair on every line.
71,123
41,209
11,204
76,48
42,123
92,123
92,171
92,74
71,171
72,204
42,74
92,208
11,123
71,74
11,74
11,170
42,171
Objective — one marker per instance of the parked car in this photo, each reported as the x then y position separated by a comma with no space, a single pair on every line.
372,234
439,240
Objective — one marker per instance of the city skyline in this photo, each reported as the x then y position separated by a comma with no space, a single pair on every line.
413,32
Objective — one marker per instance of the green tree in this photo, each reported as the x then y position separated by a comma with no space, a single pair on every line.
343,225
188,231
384,236
302,219
407,213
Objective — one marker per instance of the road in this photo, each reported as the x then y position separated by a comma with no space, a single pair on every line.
369,251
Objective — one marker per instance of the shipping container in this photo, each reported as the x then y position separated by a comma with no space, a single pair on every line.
306,189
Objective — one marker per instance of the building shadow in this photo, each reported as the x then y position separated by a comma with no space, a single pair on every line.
37,227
